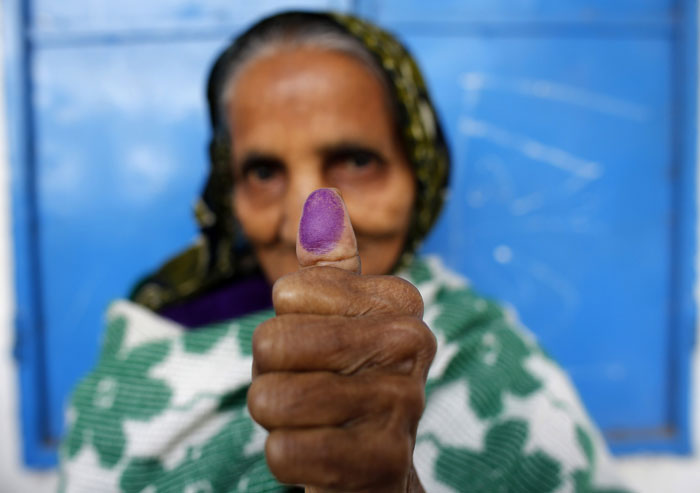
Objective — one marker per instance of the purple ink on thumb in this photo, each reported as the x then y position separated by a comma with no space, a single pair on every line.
322,221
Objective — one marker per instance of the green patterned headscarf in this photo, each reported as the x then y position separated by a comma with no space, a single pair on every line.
221,254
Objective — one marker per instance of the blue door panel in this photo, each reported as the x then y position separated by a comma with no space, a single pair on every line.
121,157
520,11
561,201
96,17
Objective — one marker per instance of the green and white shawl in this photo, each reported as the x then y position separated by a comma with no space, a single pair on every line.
165,408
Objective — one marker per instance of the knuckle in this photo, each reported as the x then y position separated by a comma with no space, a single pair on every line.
428,345
412,336
291,293
412,300
413,399
424,342
402,294
277,455
263,343
286,292
333,478
332,447
412,330
330,272
416,404
404,394
257,399
404,401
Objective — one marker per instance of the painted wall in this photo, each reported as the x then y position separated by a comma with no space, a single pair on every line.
13,478
672,474
646,474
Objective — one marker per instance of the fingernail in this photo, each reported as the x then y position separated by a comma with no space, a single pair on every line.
322,221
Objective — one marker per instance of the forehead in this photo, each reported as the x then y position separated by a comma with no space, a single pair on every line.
323,92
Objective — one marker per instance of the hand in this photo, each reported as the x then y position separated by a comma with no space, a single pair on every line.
339,374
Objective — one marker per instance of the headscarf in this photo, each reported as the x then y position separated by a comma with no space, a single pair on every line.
221,254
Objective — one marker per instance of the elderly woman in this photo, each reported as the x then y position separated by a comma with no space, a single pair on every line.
326,152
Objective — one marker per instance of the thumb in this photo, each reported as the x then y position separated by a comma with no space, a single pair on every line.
325,235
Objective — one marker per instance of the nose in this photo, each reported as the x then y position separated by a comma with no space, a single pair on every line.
299,188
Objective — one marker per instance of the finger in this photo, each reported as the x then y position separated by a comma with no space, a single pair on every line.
340,459
325,235
326,291
320,399
389,343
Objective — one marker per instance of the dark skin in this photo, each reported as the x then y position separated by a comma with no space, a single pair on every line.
339,374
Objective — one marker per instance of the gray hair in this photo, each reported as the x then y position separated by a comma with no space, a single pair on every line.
292,35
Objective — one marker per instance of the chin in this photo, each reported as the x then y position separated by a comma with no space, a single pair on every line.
379,257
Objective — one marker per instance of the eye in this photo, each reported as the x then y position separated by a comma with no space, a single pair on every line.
360,159
354,166
354,160
261,171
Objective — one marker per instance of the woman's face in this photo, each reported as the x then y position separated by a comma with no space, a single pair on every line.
307,119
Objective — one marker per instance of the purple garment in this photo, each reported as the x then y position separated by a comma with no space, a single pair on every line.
225,303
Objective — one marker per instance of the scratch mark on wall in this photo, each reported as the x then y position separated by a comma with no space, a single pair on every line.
565,289
527,204
503,254
475,82
543,153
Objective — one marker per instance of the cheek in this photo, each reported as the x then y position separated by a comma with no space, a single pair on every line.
386,210
259,223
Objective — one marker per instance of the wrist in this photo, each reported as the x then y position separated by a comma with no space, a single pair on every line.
413,485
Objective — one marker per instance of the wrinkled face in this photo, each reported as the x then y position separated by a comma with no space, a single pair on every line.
307,119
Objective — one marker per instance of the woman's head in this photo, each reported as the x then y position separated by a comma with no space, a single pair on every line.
302,101
306,109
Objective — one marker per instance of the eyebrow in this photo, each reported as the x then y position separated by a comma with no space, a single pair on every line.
326,151
344,147
255,157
